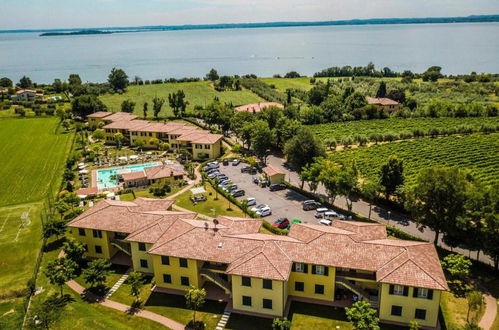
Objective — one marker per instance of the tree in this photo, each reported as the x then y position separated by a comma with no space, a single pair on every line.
138,143
118,79
25,82
433,73
329,177
177,102
347,184
96,272
74,82
54,227
261,139
157,104
414,325
370,190
301,150
391,175
457,265
136,283
381,90
311,174
127,106
212,75
119,138
292,74
475,303
58,86
194,299
281,324
99,134
46,313
61,270
85,105
5,82
145,109
438,198
74,251
362,316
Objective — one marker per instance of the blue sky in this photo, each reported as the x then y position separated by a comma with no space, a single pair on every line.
30,14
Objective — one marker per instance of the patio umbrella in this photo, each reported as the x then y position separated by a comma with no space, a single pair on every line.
123,158
83,172
134,157
81,164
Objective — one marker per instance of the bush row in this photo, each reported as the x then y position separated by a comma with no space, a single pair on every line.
263,90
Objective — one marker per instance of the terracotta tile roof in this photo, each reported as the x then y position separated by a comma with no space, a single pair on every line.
87,191
126,124
22,91
163,128
163,171
152,232
271,171
381,101
200,136
240,225
99,114
134,176
121,116
364,230
258,107
153,204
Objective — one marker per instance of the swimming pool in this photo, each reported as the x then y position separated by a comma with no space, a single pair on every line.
106,178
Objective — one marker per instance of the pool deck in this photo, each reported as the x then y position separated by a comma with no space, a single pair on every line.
112,189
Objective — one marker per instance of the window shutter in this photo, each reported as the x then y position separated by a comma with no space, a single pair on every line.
430,294
415,292
406,291
313,269
305,268
326,271
391,289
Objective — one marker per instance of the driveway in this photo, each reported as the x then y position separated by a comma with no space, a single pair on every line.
284,203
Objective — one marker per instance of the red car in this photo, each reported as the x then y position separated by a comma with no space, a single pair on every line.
281,223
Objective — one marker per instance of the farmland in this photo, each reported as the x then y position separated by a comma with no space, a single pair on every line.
398,126
32,157
477,153
196,93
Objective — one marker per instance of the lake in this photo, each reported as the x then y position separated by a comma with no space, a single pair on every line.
458,48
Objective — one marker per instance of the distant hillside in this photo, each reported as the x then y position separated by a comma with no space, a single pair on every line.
425,20
72,33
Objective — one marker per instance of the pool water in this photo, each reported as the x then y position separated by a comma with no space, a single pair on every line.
104,177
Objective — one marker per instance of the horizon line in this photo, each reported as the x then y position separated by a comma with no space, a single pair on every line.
354,21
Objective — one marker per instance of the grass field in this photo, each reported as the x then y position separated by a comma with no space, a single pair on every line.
197,93
365,128
32,158
211,207
476,152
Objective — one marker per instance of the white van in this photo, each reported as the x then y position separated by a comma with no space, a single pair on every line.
319,213
326,222
330,215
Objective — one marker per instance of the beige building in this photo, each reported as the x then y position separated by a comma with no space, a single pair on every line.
26,95
384,103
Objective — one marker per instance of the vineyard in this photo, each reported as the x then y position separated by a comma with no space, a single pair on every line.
477,152
400,127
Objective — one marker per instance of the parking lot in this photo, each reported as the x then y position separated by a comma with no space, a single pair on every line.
284,203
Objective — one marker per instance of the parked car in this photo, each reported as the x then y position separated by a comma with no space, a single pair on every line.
211,170
245,169
330,215
319,213
233,187
263,212
344,217
281,223
251,201
263,183
225,162
258,207
222,176
296,221
326,222
277,187
224,182
235,162
255,180
311,205
238,193
213,164
213,175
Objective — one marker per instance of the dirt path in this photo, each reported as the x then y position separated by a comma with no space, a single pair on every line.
490,310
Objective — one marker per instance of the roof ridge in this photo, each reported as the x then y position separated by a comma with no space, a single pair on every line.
242,257
171,239
272,263
424,270
391,260
395,269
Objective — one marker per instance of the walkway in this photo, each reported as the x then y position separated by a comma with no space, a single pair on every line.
117,285
490,313
126,309
378,213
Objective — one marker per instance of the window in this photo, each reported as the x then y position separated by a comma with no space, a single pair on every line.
299,286
207,146
267,284
184,280
421,292
267,303
246,281
142,246
300,267
246,301
199,146
420,314
81,232
167,278
320,270
143,263
183,262
398,290
319,289
396,310
98,249
97,233
165,260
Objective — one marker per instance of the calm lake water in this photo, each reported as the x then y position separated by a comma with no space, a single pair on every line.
458,48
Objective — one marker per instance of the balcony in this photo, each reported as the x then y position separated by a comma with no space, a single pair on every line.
215,267
361,292
354,274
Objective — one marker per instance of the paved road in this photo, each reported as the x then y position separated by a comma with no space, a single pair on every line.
377,213
284,203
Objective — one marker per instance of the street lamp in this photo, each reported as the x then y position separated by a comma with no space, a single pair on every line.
389,216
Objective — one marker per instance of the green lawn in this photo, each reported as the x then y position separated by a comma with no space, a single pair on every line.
308,316
211,207
11,313
197,93
147,194
476,152
454,311
33,158
171,306
302,83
